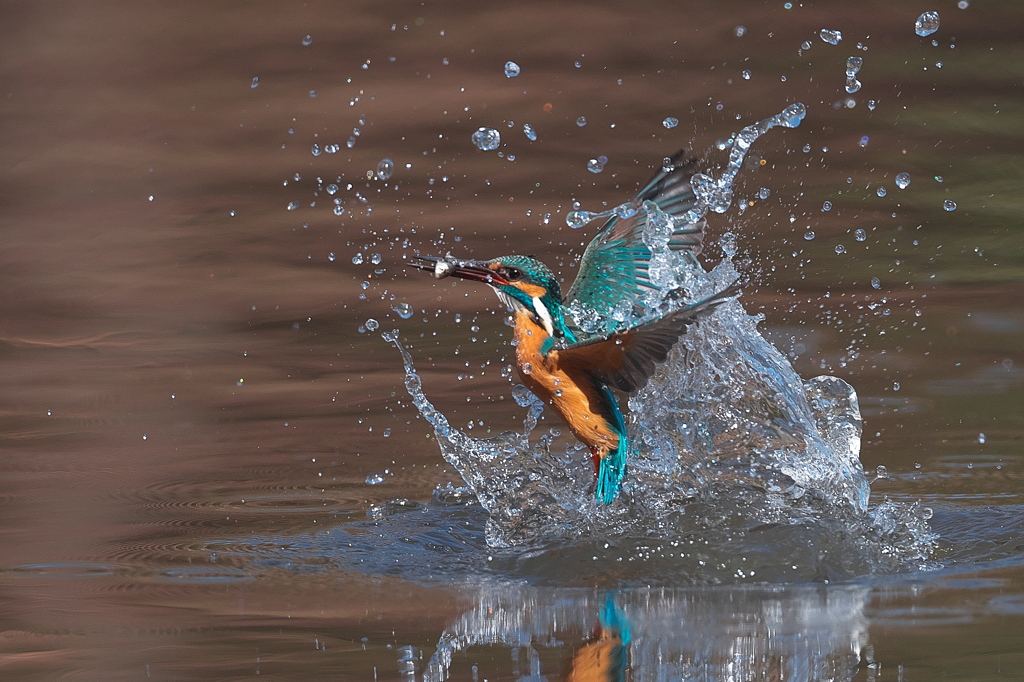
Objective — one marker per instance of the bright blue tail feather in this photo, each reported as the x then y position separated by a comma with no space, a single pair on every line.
612,468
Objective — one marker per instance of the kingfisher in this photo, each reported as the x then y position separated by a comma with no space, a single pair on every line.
570,370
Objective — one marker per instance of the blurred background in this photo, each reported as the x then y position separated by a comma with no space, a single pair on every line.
206,208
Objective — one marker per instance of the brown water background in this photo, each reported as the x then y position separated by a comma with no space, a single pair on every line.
188,392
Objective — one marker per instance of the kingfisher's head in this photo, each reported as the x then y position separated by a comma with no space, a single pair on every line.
521,282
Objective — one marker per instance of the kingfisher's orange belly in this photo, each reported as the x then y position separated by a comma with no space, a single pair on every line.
572,397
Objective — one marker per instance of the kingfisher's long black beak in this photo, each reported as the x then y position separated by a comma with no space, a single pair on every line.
448,266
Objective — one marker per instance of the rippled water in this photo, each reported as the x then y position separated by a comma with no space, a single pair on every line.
211,467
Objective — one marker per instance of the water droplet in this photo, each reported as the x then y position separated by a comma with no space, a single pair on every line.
876,283
881,191
307,40
746,74
315,150
826,207
981,438
376,478
331,188
387,432
293,205
595,166
949,205
372,324
927,24
830,37
864,141
312,93
338,210
872,104
903,180
809,235
486,139
938,178
670,122
357,259
332,148
963,4
881,471
512,69
581,121
385,169
375,259
255,82
764,193
578,219
840,249
740,31
404,310
853,65
860,235
331,256
530,133
895,385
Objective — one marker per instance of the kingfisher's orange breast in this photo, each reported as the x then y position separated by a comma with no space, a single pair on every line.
571,394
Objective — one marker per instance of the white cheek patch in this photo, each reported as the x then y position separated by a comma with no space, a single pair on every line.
544,315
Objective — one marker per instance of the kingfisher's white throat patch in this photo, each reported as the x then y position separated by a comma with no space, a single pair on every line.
539,309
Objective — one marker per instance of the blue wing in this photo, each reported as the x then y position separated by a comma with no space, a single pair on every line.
614,266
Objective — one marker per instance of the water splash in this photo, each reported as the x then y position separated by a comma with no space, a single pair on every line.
728,438
711,193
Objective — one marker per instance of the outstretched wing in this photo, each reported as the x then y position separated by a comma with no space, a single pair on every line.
614,266
626,360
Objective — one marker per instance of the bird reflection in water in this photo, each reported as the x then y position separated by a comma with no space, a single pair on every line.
606,657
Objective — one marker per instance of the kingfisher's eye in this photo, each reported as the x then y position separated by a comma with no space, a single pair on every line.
512,274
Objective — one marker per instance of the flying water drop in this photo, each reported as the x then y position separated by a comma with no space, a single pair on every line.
404,310
530,133
881,191
376,478
853,65
949,205
903,180
385,169
372,324
486,139
670,122
927,24
512,69
830,37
